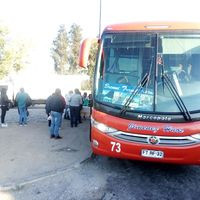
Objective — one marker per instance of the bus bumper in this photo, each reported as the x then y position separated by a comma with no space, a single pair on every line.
103,144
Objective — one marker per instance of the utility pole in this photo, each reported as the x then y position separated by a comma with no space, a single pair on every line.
99,18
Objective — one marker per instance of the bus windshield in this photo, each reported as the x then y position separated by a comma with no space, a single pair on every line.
126,58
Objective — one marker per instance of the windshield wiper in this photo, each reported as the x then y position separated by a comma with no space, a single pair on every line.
137,89
178,100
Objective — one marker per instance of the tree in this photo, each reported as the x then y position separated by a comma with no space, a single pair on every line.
59,51
19,54
75,37
4,54
91,62
12,53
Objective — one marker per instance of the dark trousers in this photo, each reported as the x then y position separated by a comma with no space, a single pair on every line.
3,114
74,113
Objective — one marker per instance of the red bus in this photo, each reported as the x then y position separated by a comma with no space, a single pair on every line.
146,96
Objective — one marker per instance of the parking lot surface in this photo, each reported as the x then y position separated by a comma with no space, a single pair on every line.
35,167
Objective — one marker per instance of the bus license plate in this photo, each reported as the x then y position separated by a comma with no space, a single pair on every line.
152,153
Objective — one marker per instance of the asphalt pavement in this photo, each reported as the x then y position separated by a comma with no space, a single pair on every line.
35,167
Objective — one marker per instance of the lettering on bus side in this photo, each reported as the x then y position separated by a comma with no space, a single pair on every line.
170,129
143,128
166,129
154,117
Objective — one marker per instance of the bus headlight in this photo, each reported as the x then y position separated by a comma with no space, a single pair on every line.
196,136
102,127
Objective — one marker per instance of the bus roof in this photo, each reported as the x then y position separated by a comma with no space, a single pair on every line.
150,26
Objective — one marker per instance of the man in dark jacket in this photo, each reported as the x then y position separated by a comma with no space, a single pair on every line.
55,106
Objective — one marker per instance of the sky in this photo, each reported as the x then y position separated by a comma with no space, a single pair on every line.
37,21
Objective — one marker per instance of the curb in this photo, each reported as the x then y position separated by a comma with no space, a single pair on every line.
19,186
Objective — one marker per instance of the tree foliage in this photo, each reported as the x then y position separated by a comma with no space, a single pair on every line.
12,53
59,51
65,50
75,36
19,54
5,56
91,62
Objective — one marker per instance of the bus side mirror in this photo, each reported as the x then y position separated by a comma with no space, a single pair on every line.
85,51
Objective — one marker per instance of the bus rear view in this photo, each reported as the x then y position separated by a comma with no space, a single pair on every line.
147,93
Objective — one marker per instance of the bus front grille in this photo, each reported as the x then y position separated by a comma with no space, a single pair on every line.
161,140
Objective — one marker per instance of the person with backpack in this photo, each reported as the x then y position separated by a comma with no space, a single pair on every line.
23,100
4,104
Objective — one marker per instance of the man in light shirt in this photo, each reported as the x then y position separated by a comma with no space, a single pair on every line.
75,102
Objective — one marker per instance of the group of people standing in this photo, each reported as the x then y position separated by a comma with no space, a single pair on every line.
56,105
71,106
22,101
